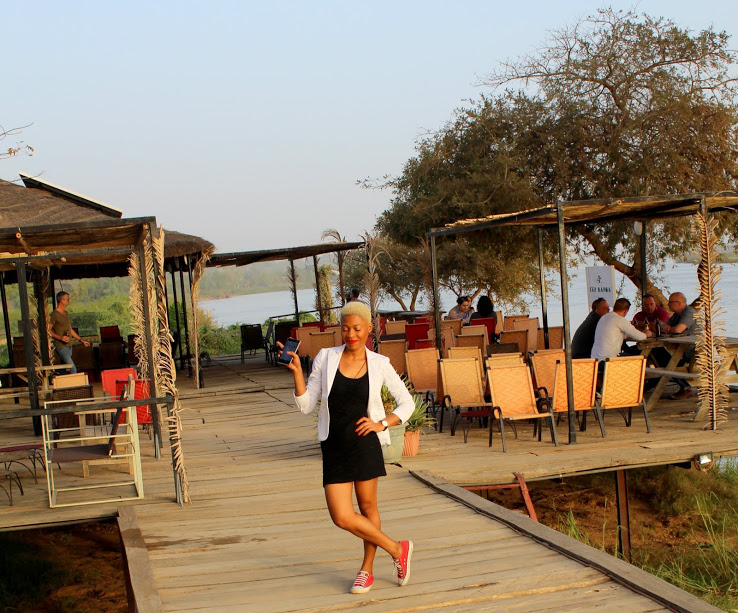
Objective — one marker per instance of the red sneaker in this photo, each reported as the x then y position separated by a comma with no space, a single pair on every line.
363,582
402,564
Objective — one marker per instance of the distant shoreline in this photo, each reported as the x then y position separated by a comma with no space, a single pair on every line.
251,292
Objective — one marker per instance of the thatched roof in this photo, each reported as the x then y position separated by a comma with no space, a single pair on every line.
598,211
22,206
242,258
42,204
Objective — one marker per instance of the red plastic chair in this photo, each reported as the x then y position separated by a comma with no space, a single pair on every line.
110,376
490,322
109,334
141,390
414,332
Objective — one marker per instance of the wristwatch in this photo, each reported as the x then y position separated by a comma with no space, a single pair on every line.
385,424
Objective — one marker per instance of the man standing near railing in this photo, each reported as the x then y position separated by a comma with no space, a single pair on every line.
60,329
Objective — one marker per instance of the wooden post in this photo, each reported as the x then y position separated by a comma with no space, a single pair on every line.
317,289
565,313
176,316
644,268
20,269
6,321
43,336
436,305
623,505
541,273
294,292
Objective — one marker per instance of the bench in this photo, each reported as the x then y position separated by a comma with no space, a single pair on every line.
674,374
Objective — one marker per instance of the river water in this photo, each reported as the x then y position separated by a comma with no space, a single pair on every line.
256,308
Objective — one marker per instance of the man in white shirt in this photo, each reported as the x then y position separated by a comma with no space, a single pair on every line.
613,329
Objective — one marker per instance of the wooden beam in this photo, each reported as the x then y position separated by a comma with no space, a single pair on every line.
636,579
140,582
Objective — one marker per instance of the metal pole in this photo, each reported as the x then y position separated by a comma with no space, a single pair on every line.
623,505
644,268
6,321
294,291
176,317
20,270
565,313
541,272
436,304
184,316
317,289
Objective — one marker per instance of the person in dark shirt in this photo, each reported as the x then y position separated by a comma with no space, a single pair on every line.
650,313
61,331
581,344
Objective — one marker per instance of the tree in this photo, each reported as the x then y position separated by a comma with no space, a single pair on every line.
18,148
624,105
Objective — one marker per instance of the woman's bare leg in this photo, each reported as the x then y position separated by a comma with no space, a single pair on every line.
338,496
366,496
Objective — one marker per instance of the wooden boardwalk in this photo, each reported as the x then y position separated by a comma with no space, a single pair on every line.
257,536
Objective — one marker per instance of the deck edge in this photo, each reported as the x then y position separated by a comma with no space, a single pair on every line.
631,576
143,595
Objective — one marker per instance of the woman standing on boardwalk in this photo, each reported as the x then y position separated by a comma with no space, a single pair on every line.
347,382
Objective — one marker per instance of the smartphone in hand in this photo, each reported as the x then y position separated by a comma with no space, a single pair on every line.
291,344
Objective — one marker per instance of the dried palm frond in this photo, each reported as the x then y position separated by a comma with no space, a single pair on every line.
371,281
710,346
335,235
135,301
165,368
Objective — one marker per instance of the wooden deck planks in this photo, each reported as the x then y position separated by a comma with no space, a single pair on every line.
257,536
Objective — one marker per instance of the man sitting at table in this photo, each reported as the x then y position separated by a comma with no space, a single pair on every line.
613,329
650,312
581,344
681,322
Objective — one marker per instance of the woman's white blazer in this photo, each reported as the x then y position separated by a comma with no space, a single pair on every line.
380,371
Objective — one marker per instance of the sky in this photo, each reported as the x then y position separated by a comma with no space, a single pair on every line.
250,123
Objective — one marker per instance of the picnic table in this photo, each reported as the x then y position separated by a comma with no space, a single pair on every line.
677,345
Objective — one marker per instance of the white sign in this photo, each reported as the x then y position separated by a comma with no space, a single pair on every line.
601,284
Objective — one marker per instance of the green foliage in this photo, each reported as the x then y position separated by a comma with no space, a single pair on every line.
616,94
220,341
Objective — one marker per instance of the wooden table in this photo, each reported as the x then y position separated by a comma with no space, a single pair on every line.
21,372
677,345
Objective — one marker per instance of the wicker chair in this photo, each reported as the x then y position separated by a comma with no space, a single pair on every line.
543,364
395,351
471,340
514,399
530,324
520,337
555,338
498,348
503,359
395,326
584,375
463,394
510,320
422,372
453,324
622,386
322,340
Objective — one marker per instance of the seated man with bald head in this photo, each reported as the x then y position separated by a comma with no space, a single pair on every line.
683,320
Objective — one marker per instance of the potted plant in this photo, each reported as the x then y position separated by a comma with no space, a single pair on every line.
393,451
418,420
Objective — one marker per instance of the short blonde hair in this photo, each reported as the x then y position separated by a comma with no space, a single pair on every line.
356,307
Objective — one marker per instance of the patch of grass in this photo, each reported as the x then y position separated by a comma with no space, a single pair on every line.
709,570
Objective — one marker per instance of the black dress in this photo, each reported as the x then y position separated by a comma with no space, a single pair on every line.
348,457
